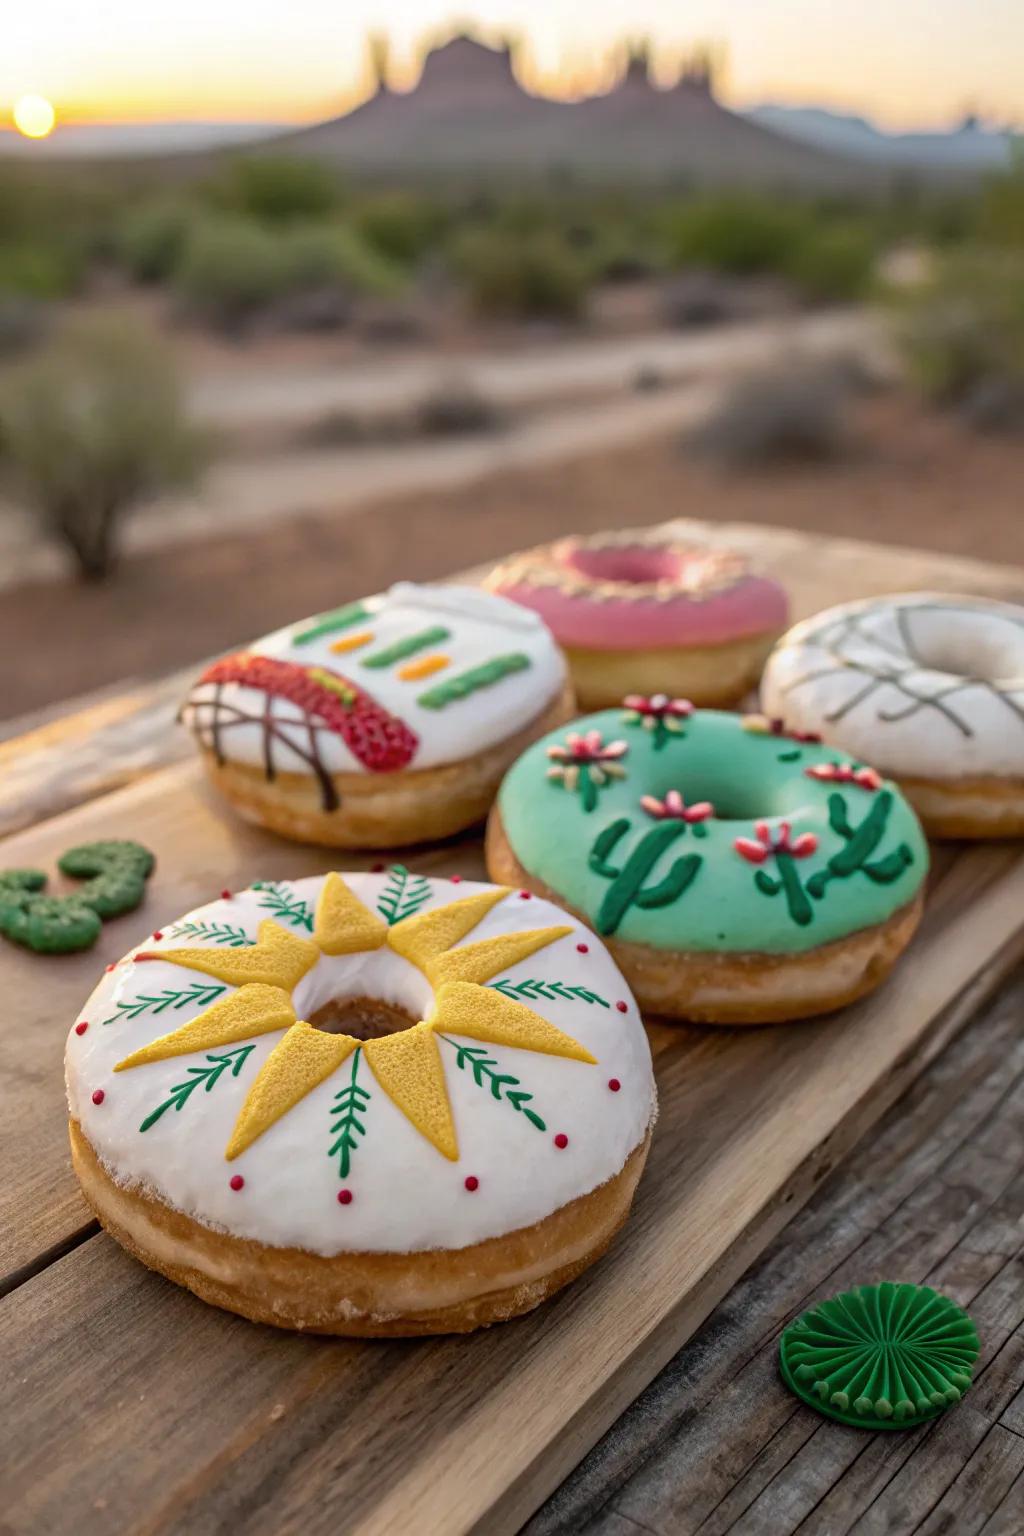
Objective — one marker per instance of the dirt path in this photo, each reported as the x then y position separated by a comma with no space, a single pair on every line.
920,480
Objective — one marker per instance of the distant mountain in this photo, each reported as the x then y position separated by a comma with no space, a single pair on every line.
122,140
971,147
469,114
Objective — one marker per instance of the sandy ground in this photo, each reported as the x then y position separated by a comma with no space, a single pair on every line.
917,480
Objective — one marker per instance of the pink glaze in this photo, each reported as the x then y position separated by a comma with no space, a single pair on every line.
612,595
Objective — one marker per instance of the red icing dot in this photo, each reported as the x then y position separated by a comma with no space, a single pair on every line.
344,1197
225,895
80,1029
158,934
456,880
472,1183
583,949
614,1084
236,1181
98,1096
622,1007
111,967
378,868
561,1140
525,895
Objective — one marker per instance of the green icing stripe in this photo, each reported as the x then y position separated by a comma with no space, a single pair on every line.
331,623
407,647
477,677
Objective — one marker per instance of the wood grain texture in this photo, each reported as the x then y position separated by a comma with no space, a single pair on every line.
717,1445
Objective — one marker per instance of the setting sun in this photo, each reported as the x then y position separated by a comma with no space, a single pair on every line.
34,116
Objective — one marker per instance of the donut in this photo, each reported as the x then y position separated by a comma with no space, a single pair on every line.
926,686
642,612
388,721
364,1104
738,875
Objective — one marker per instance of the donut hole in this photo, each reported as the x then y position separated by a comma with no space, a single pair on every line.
967,651
364,1018
629,565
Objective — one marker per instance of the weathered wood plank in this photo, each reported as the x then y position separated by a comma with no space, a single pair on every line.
716,1434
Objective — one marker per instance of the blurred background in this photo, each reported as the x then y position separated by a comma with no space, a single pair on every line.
294,304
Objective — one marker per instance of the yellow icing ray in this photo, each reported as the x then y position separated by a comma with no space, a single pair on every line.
481,961
278,959
297,1064
408,1067
252,1010
343,925
420,938
481,1013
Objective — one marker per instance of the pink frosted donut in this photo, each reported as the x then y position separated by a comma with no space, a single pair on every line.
639,612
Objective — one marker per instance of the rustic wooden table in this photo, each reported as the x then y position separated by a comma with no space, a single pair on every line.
934,1193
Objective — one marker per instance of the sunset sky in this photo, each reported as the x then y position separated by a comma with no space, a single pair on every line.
906,62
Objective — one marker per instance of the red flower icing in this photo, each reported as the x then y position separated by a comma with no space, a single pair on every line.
770,843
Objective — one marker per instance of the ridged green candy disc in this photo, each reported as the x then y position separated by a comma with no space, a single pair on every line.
882,1356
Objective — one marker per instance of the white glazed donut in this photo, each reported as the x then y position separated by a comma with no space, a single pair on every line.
386,722
367,1104
925,686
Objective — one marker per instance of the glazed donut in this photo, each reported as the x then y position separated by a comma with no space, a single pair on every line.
639,612
364,1104
389,721
738,876
930,688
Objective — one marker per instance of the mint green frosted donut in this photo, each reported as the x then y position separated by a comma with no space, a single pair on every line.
703,831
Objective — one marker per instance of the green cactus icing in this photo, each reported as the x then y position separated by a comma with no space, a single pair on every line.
824,856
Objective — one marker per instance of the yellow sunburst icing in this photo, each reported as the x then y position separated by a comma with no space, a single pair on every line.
480,1013
277,959
408,1067
343,925
419,939
297,1064
252,1010
481,961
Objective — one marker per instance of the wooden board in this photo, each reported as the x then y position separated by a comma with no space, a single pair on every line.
171,1416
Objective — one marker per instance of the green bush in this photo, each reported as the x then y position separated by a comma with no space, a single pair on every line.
739,234
532,276
962,331
833,263
152,239
39,270
1001,213
400,226
92,426
276,189
320,255
230,270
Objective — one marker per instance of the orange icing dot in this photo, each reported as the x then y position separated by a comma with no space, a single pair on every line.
425,667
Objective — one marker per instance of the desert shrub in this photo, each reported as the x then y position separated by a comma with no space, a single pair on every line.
833,262
23,324
91,426
455,406
276,189
962,334
531,276
152,239
38,269
230,270
735,233
334,253
793,413
401,226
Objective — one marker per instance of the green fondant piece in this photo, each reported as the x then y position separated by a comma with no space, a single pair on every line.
407,647
869,861
887,1356
115,872
477,677
51,925
332,623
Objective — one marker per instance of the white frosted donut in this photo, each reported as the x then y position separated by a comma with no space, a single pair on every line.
364,1103
926,687
385,722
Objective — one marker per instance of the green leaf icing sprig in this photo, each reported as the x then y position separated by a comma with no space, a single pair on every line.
403,895
281,900
208,1076
485,1073
114,874
348,1108
531,990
